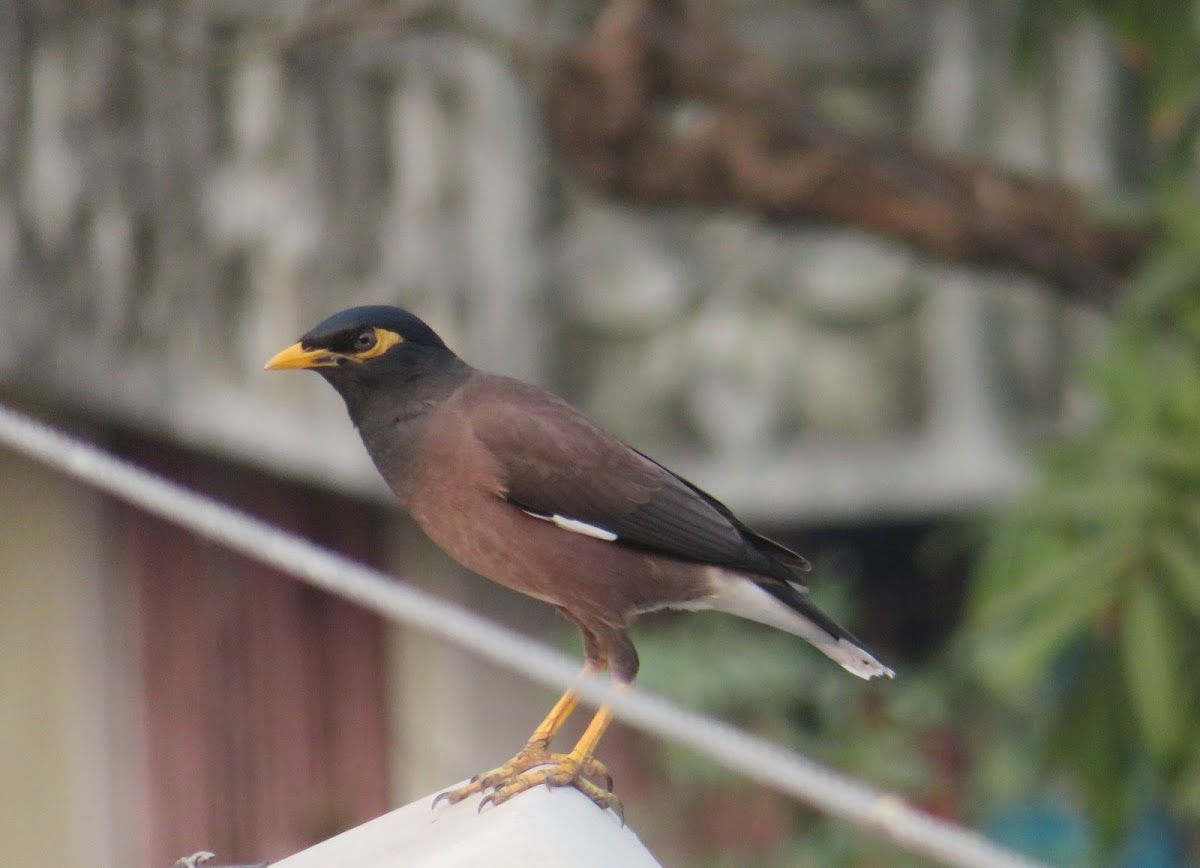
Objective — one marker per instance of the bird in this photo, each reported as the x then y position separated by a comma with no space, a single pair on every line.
517,485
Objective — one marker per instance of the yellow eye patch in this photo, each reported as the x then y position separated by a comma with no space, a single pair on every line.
384,341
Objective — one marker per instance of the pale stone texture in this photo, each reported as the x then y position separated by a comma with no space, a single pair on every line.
166,224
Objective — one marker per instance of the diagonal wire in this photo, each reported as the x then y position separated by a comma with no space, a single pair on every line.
770,764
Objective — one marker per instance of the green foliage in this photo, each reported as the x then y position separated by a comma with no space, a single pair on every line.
1086,608
1158,39
1085,612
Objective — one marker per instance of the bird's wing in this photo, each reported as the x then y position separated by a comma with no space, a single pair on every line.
557,464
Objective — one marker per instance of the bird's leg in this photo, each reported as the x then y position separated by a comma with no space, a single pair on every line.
535,753
539,742
568,770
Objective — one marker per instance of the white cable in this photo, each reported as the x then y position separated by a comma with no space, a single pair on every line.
777,767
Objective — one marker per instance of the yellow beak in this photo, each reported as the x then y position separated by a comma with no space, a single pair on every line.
296,356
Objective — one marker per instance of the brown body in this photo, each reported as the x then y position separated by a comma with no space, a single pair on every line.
458,495
514,483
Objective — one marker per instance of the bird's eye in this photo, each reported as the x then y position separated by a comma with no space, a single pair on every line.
364,340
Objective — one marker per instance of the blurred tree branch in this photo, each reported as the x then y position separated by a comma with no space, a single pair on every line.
657,105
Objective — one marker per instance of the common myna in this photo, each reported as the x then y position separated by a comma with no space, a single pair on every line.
519,486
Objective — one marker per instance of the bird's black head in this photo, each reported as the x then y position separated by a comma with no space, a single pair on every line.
376,347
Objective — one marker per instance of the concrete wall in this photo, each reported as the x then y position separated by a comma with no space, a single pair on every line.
65,750
166,223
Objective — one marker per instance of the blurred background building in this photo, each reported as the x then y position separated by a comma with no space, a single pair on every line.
185,187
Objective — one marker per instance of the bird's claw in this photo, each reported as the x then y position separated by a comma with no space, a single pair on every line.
522,773
594,769
196,860
569,772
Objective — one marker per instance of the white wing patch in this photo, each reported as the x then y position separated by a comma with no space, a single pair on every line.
575,526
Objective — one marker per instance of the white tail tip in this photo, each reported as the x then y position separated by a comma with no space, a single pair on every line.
856,660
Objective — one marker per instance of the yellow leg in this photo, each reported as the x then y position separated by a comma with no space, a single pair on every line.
568,770
558,715
586,746
536,753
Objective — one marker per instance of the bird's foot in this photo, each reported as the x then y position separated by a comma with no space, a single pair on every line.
564,770
533,766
